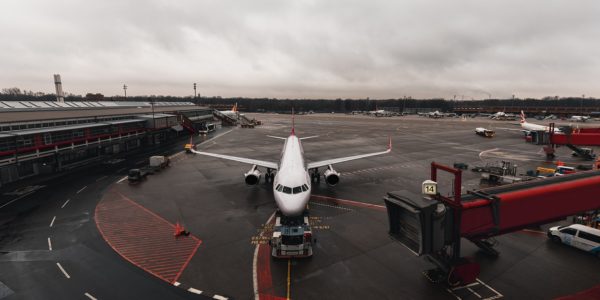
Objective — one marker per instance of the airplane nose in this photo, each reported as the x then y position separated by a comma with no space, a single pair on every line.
292,205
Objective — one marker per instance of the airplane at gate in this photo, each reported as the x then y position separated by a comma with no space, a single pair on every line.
231,113
534,127
294,177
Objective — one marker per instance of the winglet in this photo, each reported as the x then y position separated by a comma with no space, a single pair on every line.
234,108
293,125
390,143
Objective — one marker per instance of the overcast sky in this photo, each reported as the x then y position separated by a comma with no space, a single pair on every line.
304,49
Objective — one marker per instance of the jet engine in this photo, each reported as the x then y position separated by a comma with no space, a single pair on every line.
331,176
253,176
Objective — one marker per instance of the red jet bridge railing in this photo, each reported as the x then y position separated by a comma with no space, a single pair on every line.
428,229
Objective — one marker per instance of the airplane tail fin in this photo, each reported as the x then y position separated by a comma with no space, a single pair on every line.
523,117
234,108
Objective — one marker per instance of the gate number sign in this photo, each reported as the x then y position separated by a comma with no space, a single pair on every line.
429,187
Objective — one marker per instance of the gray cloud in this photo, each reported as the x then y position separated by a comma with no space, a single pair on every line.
343,48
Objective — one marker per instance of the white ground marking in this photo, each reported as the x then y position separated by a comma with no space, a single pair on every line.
20,197
52,222
90,296
49,244
122,179
332,206
486,151
220,297
195,291
63,270
176,283
65,204
215,137
254,262
81,190
101,178
469,288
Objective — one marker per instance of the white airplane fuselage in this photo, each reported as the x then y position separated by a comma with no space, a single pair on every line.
292,184
535,127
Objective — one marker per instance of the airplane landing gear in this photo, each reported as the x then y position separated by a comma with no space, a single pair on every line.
270,176
315,176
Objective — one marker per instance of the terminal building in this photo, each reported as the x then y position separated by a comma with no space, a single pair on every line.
43,137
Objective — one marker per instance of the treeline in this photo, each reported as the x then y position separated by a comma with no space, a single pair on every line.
317,105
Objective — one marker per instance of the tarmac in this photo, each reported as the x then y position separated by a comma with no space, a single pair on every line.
226,255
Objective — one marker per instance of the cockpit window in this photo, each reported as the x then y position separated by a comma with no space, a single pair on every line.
298,190
287,190
279,188
304,187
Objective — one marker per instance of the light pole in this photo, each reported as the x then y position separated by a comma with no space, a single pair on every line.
153,119
125,90
195,90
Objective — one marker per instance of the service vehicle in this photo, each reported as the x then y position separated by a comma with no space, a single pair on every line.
292,237
136,175
577,235
158,162
484,132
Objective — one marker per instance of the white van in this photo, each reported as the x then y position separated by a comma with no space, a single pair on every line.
579,236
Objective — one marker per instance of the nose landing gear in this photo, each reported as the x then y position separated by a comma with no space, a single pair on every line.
315,177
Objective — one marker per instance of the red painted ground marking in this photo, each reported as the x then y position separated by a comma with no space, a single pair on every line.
263,271
593,293
264,276
348,202
144,238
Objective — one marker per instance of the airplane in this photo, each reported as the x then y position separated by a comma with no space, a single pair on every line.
502,116
379,112
436,114
233,113
293,180
534,127
579,118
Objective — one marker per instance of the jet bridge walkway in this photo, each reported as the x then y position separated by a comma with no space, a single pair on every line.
225,119
572,138
434,225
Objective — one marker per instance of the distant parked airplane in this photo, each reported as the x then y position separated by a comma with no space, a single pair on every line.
233,113
579,118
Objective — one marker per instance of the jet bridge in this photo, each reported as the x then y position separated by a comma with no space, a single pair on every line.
432,226
573,137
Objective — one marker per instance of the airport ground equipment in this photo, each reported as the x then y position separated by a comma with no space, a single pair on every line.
292,237
461,166
433,225
159,162
484,132
573,138
136,175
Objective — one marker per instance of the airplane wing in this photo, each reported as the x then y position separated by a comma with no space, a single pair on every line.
327,162
261,163
309,137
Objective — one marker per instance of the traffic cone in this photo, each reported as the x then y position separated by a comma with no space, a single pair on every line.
178,230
